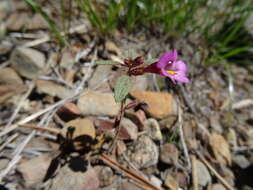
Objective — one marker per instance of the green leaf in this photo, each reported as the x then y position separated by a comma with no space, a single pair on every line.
106,62
50,22
123,86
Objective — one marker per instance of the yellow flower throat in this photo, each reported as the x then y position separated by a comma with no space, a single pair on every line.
171,72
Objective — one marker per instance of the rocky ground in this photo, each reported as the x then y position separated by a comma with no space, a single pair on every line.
57,111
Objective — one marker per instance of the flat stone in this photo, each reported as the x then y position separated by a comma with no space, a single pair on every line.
203,174
53,89
27,62
37,22
160,105
169,154
17,20
9,76
67,178
99,104
168,122
171,182
130,128
34,170
241,161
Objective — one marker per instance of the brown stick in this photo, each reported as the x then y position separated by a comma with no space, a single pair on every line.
31,126
127,172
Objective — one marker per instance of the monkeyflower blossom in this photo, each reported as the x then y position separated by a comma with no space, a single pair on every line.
169,66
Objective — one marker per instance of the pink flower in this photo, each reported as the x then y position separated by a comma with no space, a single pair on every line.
169,66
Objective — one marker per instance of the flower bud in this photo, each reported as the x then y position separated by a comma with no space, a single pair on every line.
128,62
138,61
136,71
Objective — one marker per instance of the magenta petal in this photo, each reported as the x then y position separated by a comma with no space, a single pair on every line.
164,73
179,66
178,77
181,79
166,58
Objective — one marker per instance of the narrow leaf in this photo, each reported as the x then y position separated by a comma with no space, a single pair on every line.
123,86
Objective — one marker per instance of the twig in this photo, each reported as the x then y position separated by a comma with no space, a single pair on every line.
117,125
187,99
85,52
8,141
47,37
13,116
50,130
39,113
222,180
129,173
17,153
87,75
58,80
194,173
10,166
31,151
181,133
25,35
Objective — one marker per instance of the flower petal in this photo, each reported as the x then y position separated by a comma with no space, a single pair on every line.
166,58
181,79
179,66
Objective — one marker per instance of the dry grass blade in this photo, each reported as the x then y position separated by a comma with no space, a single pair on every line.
47,37
194,173
8,141
39,113
129,173
20,105
181,133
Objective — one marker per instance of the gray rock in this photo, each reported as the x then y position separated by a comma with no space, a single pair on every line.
27,62
203,174
241,161
105,175
151,126
67,179
143,153
97,103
